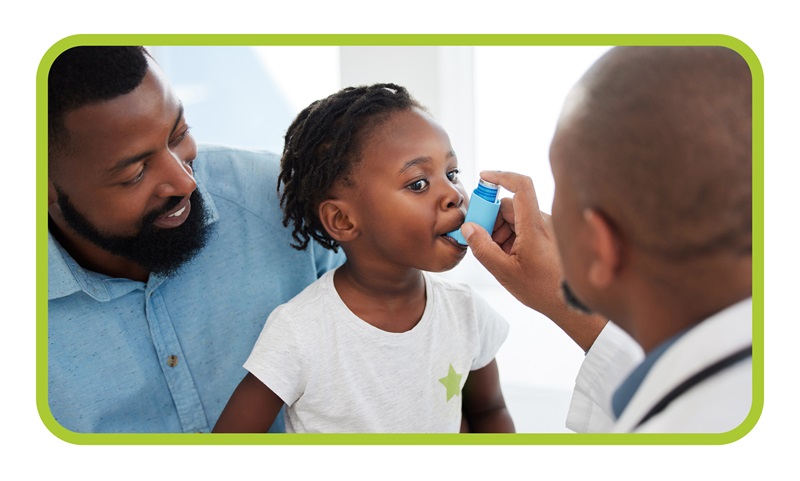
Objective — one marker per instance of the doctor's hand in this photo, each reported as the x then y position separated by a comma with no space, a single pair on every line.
522,255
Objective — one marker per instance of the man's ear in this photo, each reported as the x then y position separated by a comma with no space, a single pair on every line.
52,196
334,214
606,248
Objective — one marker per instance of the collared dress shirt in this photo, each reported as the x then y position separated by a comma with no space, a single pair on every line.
718,404
164,356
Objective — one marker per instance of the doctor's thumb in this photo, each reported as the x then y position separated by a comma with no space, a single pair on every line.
485,250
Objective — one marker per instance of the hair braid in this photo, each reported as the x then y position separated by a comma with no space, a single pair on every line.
322,145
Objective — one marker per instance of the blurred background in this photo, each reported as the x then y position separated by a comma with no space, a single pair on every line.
498,104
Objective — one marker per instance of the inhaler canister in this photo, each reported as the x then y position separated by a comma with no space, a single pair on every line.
483,208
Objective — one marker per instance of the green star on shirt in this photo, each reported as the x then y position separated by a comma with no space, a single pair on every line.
452,382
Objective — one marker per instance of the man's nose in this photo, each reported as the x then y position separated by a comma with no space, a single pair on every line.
177,178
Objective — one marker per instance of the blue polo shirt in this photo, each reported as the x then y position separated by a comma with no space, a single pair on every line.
165,355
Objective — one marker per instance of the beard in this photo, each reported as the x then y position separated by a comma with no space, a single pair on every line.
572,299
160,251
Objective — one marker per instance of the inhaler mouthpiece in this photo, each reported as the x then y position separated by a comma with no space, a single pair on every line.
483,208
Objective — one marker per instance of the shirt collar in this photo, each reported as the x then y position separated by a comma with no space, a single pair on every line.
626,390
66,276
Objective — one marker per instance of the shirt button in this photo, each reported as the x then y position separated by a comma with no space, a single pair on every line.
172,361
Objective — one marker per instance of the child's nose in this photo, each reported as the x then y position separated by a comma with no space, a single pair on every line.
452,197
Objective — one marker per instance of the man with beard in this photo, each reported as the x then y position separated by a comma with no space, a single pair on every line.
651,221
164,260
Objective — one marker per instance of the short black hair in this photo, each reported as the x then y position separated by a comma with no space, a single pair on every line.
87,74
322,145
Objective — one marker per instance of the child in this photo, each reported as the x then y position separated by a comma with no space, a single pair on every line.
378,345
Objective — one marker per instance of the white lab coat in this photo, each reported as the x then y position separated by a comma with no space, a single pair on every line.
717,404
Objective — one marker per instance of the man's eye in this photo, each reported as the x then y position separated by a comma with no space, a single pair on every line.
181,137
136,179
418,185
453,175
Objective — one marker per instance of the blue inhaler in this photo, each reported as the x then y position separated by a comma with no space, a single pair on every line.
483,208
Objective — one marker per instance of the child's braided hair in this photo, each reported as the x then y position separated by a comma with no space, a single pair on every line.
322,145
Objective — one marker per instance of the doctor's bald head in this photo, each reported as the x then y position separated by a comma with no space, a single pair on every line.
658,139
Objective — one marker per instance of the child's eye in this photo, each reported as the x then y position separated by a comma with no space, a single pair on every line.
418,185
453,175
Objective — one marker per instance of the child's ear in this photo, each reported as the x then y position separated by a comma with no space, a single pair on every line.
334,214
606,249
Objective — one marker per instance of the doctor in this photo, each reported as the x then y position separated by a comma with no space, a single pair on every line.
651,227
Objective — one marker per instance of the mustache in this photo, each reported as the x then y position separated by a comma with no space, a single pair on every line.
170,204
572,300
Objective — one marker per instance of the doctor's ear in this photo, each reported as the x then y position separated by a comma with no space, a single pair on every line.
334,214
606,248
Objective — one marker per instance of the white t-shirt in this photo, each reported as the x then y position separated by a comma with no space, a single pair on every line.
337,373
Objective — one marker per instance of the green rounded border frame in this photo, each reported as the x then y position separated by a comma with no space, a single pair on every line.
401,40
